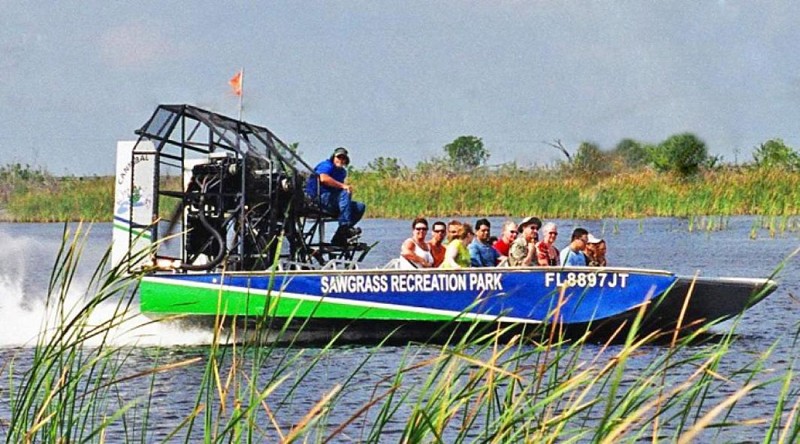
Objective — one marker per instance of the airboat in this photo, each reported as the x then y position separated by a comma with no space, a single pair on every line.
211,212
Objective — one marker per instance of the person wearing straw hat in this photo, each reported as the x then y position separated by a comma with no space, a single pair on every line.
522,252
335,196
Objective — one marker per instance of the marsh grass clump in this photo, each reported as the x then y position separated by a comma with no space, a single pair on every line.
60,199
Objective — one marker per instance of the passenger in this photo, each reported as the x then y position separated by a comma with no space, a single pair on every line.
436,243
481,252
452,230
457,254
506,238
595,252
572,255
522,252
335,196
415,249
546,251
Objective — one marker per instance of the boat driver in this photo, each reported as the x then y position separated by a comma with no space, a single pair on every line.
335,196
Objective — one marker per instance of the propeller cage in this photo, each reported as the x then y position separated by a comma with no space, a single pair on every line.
235,190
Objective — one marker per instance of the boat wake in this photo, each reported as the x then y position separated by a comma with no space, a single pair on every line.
26,316
25,320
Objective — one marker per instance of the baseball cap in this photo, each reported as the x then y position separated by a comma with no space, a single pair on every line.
341,151
594,240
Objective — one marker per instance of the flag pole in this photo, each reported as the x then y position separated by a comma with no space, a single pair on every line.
239,150
241,94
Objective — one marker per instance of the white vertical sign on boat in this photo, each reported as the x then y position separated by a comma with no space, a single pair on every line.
133,199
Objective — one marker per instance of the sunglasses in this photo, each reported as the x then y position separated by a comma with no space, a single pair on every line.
438,231
514,232
421,228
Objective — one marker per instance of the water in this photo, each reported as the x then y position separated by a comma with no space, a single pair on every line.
28,252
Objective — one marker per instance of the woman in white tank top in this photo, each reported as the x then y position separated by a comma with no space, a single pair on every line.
415,249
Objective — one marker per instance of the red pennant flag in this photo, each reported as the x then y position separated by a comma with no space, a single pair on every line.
236,83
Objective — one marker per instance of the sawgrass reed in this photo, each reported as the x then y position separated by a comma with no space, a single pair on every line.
70,199
725,192
490,384
548,193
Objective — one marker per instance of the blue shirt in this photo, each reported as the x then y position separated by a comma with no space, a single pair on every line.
482,255
325,167
572,258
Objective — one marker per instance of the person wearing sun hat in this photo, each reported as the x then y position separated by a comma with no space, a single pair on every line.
334,195
522,252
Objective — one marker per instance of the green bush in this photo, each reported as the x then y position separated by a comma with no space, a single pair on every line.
590,160
632,153
681,154
774,153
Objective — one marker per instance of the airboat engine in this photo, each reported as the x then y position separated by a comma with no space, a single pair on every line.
234,213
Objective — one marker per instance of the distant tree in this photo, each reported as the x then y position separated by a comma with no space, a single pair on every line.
589,159
682,154
385,166
632,153
774,153
466,153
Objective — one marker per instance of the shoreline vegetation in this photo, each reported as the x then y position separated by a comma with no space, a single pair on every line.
676,178
730,191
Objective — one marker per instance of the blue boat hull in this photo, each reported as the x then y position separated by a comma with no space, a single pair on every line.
369,304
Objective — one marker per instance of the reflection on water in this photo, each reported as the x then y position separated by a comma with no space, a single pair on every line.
29,250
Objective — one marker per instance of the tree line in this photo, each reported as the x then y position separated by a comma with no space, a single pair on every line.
683,155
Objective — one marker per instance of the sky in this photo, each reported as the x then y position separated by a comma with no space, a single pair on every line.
400,79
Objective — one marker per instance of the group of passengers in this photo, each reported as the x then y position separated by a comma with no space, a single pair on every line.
465,247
